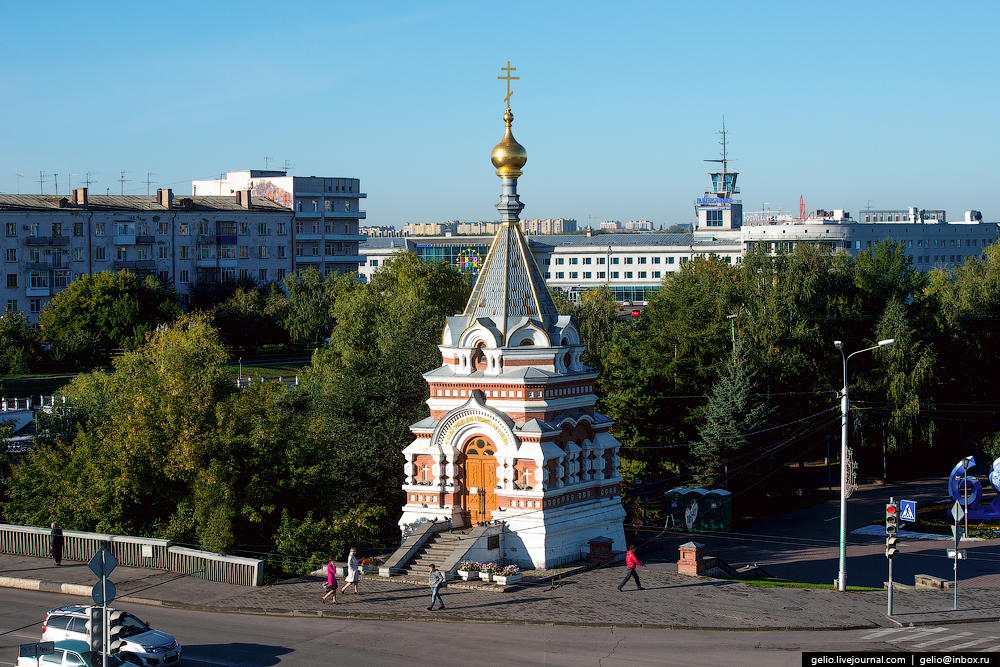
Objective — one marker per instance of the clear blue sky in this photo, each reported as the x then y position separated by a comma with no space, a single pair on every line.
618,103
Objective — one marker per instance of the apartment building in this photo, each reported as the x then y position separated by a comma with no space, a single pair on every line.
327,216
49,240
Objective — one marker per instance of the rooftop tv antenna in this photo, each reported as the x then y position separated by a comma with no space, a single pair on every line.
71,183
289,166
41,182
149,174
87,181
56,179
267,161
19,176
124,180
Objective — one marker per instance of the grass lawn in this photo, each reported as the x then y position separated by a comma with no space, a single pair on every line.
781,583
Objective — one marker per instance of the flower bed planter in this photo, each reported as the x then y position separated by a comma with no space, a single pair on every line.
486,576
508,580
368,569
465,574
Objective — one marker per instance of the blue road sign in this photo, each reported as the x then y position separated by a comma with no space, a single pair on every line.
908,510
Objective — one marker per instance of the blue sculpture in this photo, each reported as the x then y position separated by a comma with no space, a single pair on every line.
970,502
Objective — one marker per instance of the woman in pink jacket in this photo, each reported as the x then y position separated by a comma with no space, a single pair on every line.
630,563
331,581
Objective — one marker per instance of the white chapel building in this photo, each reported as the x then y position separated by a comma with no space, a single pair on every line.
513,441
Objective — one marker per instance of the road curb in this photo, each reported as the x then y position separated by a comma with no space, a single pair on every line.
85,591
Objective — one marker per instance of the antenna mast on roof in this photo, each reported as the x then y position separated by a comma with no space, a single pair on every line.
71,183
89,180
56,178
41,182
149,174
289,166
267,161
19,176
124,180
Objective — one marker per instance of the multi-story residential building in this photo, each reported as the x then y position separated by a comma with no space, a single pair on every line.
326,229
639,226
381,230
479,228
430,228
49,240
611,226
548,226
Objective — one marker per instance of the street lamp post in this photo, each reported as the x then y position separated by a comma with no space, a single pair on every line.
844,408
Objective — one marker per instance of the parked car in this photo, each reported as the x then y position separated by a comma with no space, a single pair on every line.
137,643
67,653
636,312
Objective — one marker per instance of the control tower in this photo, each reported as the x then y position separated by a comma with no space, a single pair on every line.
717,211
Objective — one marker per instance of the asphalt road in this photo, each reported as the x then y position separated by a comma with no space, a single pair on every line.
236,640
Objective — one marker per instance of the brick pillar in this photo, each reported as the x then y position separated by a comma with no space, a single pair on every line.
692,559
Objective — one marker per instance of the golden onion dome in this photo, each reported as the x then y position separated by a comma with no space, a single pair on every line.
509,156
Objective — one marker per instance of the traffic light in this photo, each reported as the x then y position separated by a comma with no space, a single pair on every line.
890,546
95,628
891,518
116,623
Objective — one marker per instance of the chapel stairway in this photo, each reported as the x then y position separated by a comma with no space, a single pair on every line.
437,549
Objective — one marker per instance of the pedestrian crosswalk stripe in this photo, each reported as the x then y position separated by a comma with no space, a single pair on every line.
919,634
972,643
883,632
942,639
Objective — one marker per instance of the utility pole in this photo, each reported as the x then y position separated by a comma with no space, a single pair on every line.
71,183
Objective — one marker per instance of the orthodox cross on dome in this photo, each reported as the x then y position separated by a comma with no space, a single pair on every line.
509,78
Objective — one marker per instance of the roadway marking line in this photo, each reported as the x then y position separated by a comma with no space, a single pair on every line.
886,631
972,643
942,639
920,634
210,662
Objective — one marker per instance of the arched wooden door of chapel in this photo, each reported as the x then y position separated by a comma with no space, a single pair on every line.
479,495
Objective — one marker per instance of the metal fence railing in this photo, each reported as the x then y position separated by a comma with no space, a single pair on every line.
134,552
216,567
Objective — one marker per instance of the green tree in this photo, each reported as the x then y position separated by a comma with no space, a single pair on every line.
904,375
309,315
252,318
20,344
369,384
886,273
167,447
734,416
562,303
597,317
107,310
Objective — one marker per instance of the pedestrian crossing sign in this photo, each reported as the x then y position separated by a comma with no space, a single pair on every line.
908,510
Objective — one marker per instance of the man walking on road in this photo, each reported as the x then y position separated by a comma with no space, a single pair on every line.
57,544
435,580
630,562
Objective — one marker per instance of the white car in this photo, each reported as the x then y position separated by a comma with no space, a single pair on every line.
132,640
69,653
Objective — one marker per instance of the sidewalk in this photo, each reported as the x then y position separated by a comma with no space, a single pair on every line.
589,598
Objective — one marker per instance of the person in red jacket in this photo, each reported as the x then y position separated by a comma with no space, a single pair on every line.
630,563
